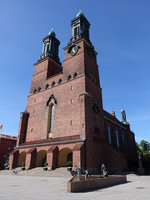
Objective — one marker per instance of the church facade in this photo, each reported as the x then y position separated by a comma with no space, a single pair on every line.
64,120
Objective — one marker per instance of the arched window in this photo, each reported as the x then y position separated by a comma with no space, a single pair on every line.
51,106
50,118
69,77
39,89
35,90
53,83
59,81
46,86
75,75
109,134
95,122
117,138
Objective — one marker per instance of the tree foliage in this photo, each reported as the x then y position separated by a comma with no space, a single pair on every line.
143,148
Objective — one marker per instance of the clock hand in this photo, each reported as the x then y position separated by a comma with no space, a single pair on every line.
73,50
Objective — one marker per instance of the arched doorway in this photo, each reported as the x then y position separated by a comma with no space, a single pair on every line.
22,159
65,155
41,158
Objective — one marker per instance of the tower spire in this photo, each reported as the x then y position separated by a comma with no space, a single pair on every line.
50,46
79,13
80,28
52,33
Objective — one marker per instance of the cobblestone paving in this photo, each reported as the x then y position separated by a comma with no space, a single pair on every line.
14,187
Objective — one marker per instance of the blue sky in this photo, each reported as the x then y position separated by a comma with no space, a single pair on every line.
120,33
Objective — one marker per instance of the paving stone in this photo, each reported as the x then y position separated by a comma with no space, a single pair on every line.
46,188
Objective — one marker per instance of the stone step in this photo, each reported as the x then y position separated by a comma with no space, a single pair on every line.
58,172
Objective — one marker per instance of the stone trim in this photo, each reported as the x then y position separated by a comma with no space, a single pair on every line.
51,143
114,122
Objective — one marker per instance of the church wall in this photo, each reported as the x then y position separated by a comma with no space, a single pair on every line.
95,96
91,67
114,160
126,142
45,73
66,111
76,62
94,155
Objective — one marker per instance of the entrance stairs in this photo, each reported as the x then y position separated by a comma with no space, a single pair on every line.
58,172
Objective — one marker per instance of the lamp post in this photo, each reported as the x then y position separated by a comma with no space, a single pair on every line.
140,169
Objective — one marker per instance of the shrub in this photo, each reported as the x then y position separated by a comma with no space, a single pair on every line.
45,164
23,164
69,164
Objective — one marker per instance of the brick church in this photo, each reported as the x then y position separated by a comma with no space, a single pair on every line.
64,119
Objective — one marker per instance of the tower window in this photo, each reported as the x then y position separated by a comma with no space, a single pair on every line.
74,75
53,83
117,138
59,81
50,118
47,48
69,77
109,134
39,89
43,51
76,30
46,86
35,90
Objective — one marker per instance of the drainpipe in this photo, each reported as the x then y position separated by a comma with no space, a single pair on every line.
85,154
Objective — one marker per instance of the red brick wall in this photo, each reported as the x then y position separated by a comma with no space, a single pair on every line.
23,127
6,146
128,146
66,110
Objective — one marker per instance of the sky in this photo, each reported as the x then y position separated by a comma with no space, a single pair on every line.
120,33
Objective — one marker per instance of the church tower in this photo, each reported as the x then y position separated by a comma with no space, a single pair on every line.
64,121
81,56
50,46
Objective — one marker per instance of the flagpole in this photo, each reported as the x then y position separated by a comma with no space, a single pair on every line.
1,127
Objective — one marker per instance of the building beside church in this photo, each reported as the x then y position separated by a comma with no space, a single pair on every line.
7,144
64,119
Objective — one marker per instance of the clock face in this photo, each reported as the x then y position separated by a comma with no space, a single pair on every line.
73,50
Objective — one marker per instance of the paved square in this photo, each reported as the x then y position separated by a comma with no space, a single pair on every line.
46,188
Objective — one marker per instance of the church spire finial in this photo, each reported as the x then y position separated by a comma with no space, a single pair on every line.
113,113
52,33
79,13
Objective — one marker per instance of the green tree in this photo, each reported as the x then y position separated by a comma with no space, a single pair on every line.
138,148
143,148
